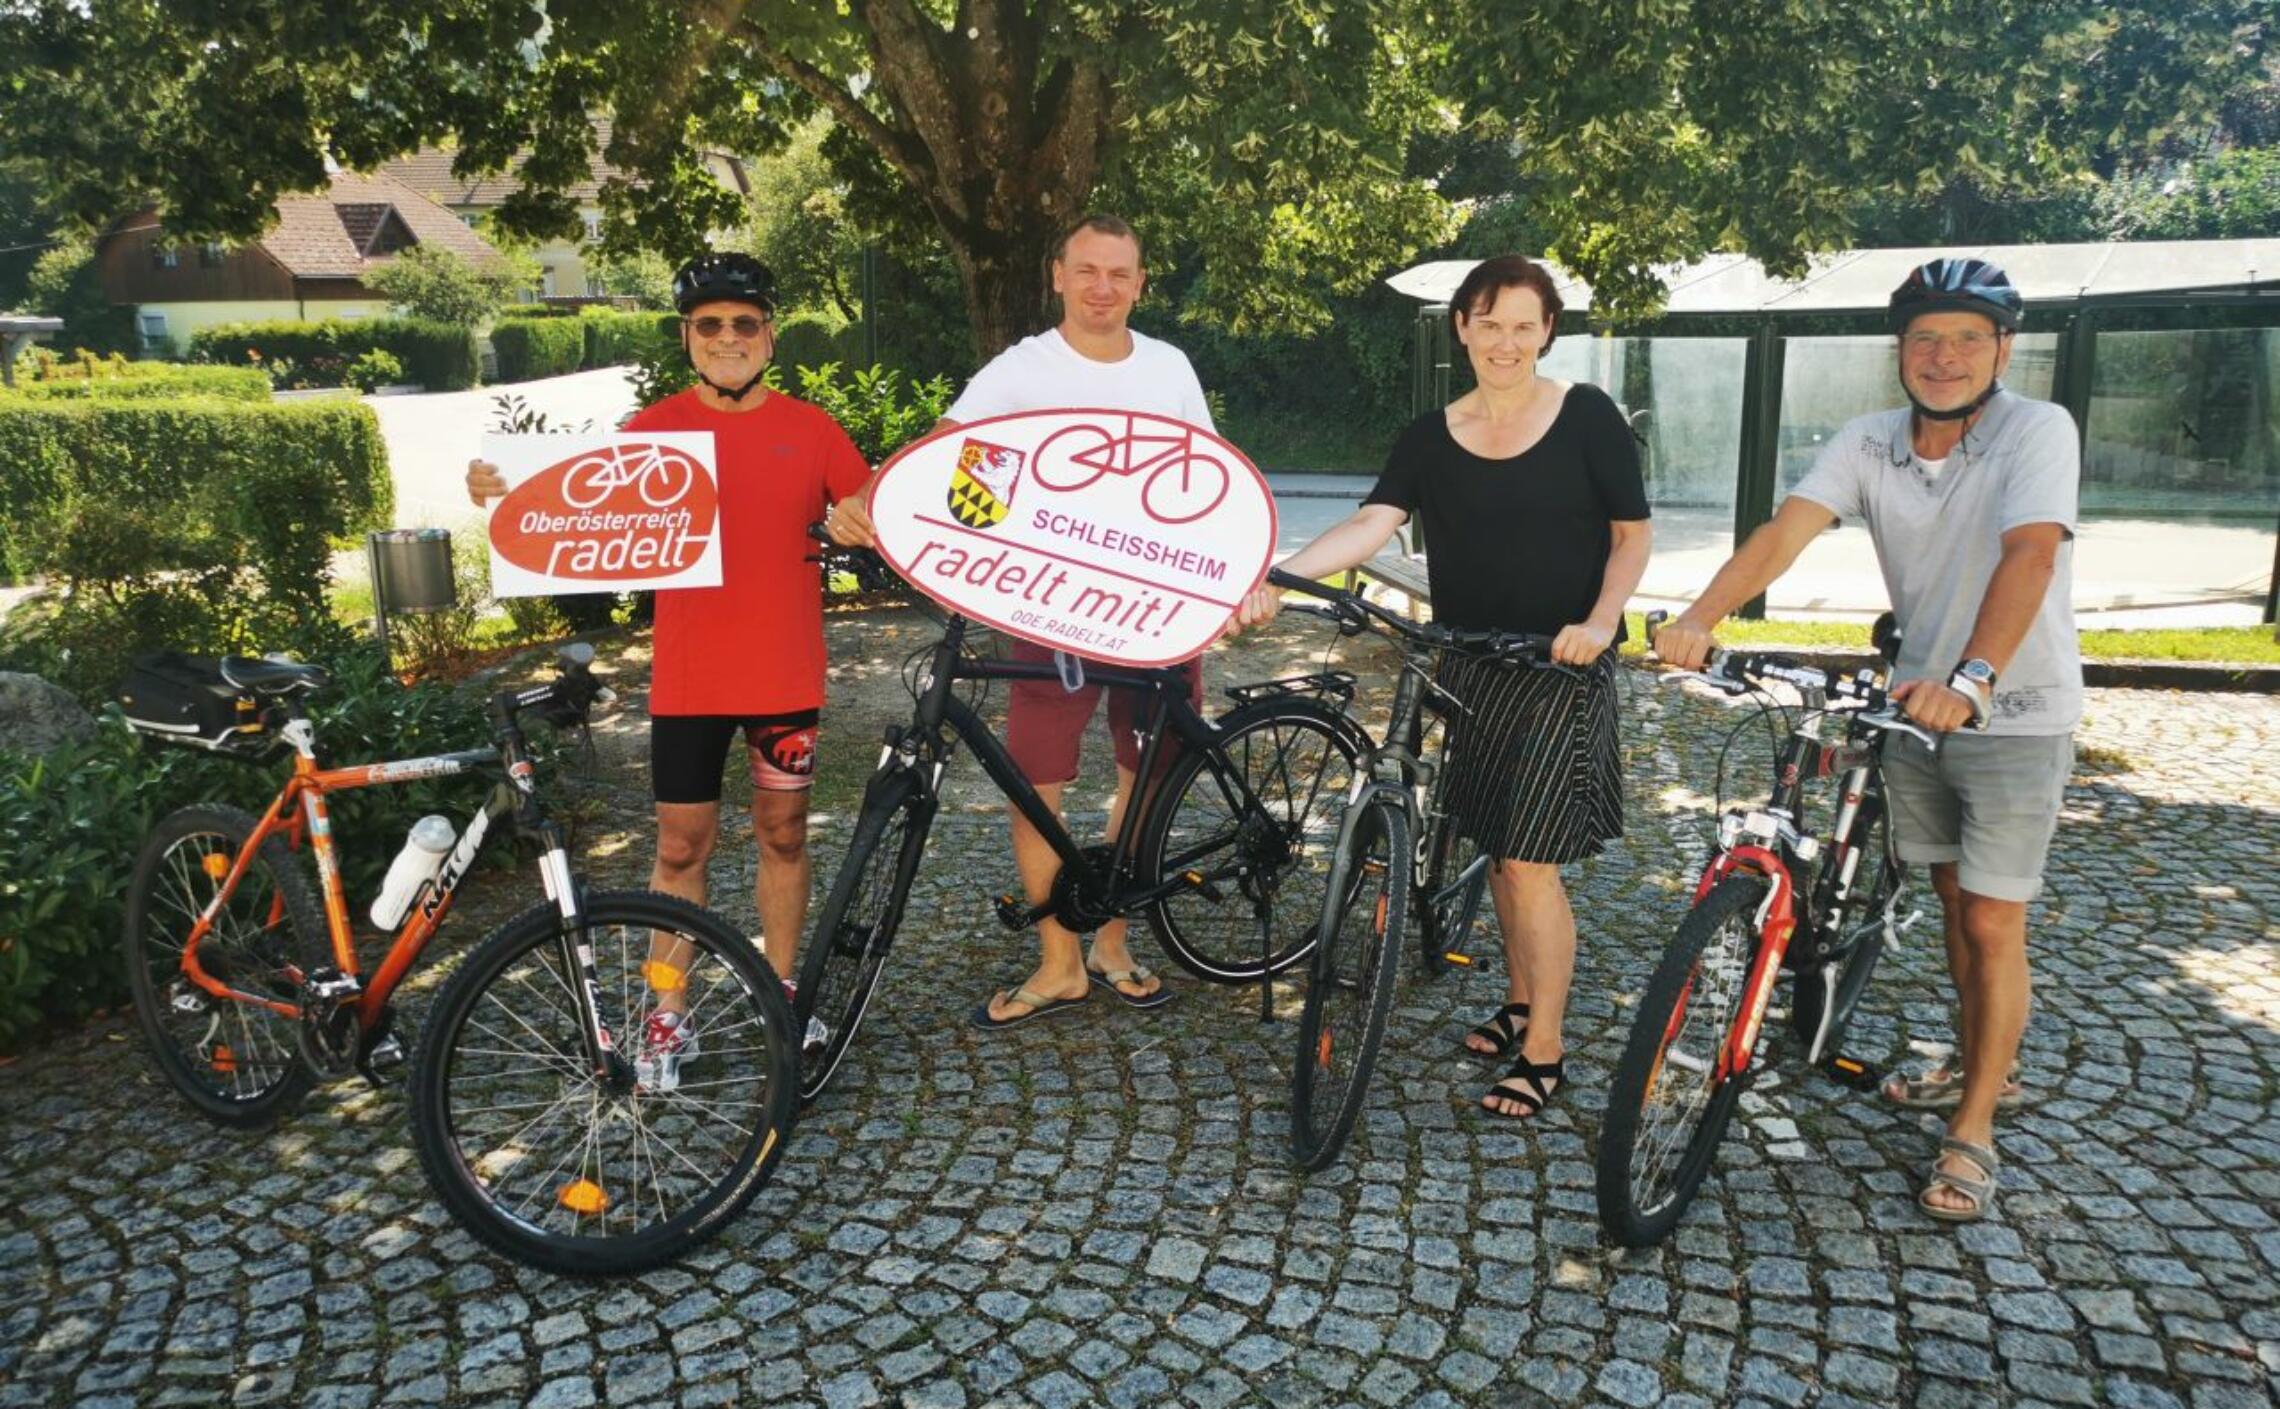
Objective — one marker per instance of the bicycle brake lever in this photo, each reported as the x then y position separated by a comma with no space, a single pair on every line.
1890,720
1716,682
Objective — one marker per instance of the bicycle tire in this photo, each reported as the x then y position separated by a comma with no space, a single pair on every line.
1298,757
1350,980
245,1068
634,1126
845,952
1641,1218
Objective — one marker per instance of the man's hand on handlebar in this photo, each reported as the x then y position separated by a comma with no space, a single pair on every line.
484,482
1934,705
1682,643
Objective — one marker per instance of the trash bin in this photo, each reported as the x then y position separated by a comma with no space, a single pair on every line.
411,570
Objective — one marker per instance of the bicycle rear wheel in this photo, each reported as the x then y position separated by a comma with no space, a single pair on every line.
1263,845
551,1165
1668,1105
1832,990
847,948
238,1063
1350,981
1456,870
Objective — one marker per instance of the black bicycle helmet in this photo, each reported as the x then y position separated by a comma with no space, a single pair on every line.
730,275
1957,285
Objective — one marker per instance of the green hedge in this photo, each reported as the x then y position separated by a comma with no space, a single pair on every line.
71,825
202,524
813,339
166,381
438,356
538,347
615,339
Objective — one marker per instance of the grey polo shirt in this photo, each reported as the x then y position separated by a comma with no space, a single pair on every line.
1939,536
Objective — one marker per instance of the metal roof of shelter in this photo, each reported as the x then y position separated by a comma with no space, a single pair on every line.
1860,281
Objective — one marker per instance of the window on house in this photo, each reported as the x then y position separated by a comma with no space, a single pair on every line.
211,254
593,219
165,257
152,326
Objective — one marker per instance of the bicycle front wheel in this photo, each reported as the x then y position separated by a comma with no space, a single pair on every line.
1253,822
848,947
1350,982
1670,1100
238,1062
550,1164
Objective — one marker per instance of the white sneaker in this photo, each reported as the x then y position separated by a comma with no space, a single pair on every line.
667,1040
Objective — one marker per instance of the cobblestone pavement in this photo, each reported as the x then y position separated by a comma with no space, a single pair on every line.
1103,1210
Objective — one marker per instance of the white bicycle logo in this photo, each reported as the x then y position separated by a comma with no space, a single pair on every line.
661,475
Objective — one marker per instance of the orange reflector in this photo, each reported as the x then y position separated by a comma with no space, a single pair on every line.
224,1060
1193,878
1377,922
1322,1052
663,977
1462,961
1848,1064
217,865
583,1196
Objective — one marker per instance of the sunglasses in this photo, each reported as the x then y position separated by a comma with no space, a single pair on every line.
746,326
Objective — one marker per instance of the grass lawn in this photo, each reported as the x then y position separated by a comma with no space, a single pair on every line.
2232,645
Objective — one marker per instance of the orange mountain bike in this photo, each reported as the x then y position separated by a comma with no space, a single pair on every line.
563,1117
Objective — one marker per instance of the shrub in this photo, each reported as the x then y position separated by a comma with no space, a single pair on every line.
878,409
373,370
438,356
200,524
72,823
616,339
147,381
813,339
433,283
538,347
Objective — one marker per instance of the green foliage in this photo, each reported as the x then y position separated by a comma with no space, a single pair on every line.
2230,195
643,274
662,372
538,347
372,370
796,223
616,339
428,282
812,339
145,381
203,525
72,823
64,283
879,409
438,356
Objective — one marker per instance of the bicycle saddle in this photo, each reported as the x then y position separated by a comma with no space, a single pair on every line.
272,677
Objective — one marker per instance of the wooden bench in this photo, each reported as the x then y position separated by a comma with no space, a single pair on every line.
1399,568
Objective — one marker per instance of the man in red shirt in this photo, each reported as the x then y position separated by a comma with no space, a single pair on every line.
746,656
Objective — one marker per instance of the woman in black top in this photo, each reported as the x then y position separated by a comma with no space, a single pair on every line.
1535,519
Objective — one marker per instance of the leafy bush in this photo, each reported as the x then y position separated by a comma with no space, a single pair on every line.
428,282
201,524
66,283
71,825
879,411
438,356
616,339
161,381
813,339
372,371
539,347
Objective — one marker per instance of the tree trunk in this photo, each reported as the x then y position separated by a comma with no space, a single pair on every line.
1008,289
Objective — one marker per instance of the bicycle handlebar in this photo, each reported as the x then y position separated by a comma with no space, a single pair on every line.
1355,613
870,571
568,699
1737,671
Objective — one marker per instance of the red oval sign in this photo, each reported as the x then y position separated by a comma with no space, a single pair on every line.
630,510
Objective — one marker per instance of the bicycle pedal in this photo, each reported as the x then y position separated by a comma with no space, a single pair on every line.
1202,885
380,1064
1014,913
1461,961
1851,1071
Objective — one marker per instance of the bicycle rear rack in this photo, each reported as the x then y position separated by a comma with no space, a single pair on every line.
1340,683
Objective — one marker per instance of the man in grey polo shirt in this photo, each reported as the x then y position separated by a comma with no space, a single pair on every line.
1969,494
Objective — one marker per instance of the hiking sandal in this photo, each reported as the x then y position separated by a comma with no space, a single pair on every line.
1940,1088
1979,1188
1505,1030
1529,1084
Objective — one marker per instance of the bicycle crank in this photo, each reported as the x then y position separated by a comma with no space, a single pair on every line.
329,1038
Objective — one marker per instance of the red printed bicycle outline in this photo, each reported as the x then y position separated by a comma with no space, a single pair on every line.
594,478
1201,483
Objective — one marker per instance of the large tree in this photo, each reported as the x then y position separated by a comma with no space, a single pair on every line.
1288,142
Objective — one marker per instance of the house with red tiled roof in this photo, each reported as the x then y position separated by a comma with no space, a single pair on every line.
310,264
562,263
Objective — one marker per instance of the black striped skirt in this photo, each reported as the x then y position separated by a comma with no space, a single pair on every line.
1537,769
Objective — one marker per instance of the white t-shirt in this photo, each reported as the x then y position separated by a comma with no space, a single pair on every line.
1044,373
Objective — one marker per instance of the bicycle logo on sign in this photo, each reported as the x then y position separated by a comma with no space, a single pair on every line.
660,474
1184,483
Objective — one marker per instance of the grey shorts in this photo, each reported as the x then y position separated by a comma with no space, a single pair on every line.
1989,804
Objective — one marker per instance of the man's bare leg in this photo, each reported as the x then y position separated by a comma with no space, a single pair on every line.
1061,969
1994,990
686,833
779,822
1110,951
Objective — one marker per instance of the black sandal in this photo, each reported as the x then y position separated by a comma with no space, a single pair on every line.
1505,1030
1525,1085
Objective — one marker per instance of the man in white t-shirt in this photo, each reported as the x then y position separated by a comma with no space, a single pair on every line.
1091,359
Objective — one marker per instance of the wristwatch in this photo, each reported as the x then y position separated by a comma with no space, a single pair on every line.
1975,679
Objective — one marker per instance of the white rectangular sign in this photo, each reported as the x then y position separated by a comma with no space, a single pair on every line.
604,513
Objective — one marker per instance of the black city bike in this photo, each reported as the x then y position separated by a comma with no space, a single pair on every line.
1776,897
1225,850
1397,852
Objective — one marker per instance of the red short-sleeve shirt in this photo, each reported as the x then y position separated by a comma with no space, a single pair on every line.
754,644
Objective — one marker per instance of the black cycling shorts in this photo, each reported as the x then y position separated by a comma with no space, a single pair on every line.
686,752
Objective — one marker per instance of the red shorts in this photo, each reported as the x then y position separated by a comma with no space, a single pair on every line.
1045,724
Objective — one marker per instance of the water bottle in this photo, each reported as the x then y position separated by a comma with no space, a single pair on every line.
414,867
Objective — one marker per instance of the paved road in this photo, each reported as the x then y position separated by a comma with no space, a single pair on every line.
1102,1211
